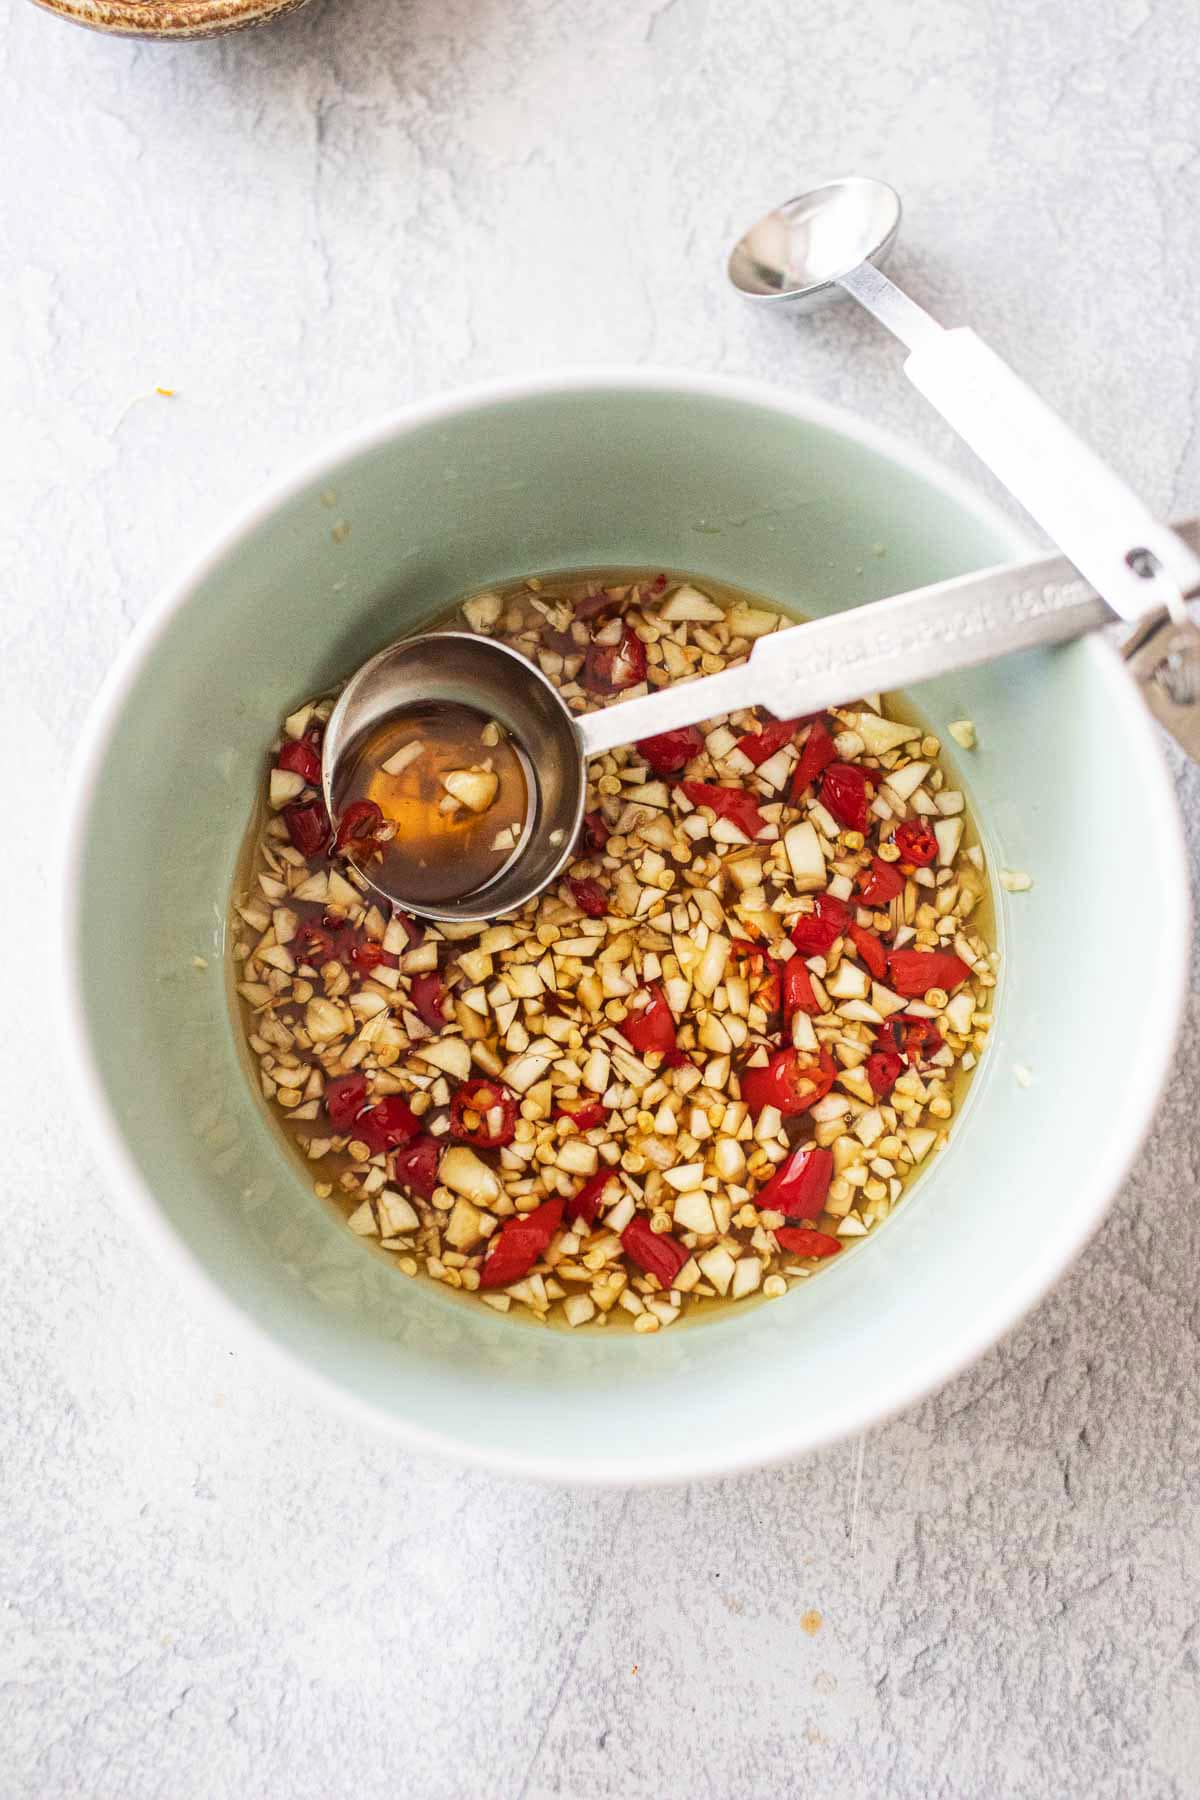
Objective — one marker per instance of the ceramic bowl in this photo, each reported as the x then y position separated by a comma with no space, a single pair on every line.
736,482
170,18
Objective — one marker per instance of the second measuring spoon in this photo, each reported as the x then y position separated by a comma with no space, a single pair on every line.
828,243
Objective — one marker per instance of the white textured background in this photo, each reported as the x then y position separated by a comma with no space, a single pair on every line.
210,1587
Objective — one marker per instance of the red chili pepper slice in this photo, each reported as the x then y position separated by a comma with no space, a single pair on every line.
308,827
760,745
913,972
357,828
670,750
815,933
386,1124
916,842
594,606
561,641
791,1080
585,1115
881,884
807,1243
657,1254
847,792
652,1027
298,757
884,1069
763,974
589,897
583,1207
917,1040
734,804
345,943
345,1097
416,1164
519,1243
313,946
818,752
799,1185
428,996
798,993
594,831
922,1039
608,668
871,949
484,1114
373,956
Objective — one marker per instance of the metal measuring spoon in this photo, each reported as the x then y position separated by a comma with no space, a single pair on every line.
828,243
799,669
1120,562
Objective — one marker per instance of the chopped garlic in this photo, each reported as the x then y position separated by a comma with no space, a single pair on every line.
880,735
285,786
464,1226
483,612
397,1214
693,1212
747,1275
464,1173
948,833
688,602
475,789
717,1266
806,859
452,1055
905,782
400,760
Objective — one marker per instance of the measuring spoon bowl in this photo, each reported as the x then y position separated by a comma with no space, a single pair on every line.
798,252
459,667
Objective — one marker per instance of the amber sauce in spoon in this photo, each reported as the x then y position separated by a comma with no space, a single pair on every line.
447,840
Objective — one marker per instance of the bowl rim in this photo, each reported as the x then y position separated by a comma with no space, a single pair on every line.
900,1387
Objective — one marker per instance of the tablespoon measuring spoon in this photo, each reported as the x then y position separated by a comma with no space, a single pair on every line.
829,243
790,672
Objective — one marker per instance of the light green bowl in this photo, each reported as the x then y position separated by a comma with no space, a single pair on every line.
742,484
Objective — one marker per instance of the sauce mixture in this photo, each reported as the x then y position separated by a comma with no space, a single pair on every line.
712,1057
454,788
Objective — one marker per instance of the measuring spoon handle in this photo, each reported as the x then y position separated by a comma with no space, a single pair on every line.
885,644
1138,564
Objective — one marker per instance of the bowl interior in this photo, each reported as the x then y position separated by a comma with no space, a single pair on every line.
1066,783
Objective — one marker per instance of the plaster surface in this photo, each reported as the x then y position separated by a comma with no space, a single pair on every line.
210,1587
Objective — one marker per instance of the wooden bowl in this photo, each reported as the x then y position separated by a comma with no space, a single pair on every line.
170,18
